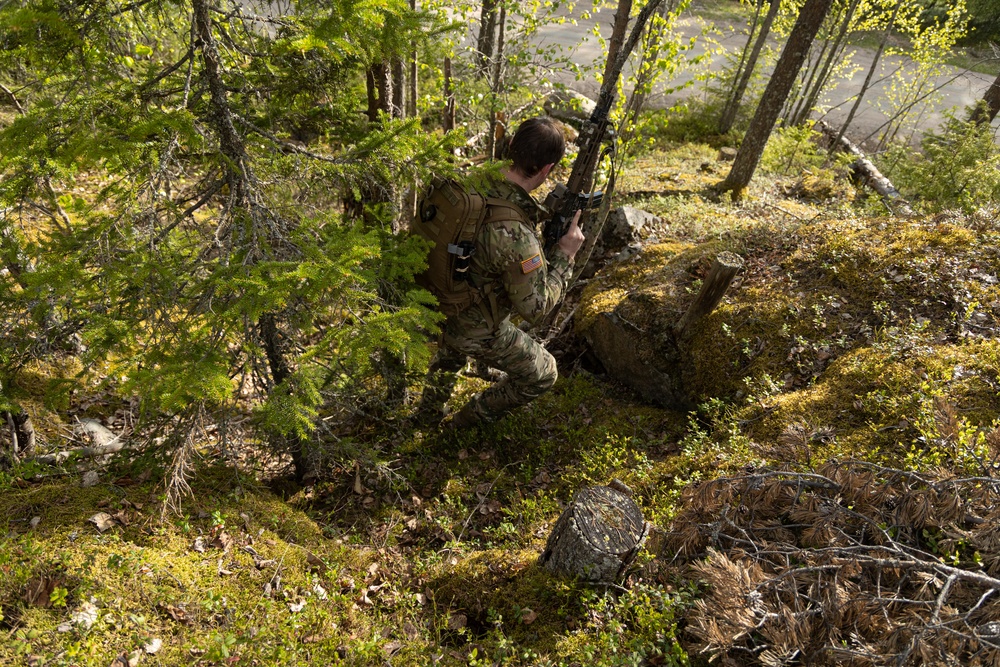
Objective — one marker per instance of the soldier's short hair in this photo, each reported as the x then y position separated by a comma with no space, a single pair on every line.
537,142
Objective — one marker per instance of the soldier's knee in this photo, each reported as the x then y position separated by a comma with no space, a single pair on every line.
548,372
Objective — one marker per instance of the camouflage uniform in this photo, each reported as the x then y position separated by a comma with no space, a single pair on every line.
514,276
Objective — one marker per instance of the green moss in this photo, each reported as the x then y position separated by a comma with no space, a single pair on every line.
148,580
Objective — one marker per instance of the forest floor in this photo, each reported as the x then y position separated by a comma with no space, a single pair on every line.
852,336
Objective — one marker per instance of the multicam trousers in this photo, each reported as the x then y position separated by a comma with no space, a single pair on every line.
530,369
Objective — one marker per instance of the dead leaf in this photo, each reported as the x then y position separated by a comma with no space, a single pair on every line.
85,616
103,521
316,563
144,475
35,520
174,612
411,524
90,478
372,569
153,645
120,660
463,454
199,545
410,631
223,541
485,456
296,607
223,572
38,592
358,486
392,647
457,621
528,616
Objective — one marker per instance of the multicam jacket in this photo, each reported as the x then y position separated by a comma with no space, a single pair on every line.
509,265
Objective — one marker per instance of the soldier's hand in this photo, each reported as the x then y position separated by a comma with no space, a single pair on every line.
573,239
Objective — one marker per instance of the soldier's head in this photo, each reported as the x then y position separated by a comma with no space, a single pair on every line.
537,145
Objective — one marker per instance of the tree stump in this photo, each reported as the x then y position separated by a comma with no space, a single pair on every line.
598,536
717,282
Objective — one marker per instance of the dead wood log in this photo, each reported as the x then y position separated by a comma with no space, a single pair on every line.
717,282
103,442
866,172
598,536
21,437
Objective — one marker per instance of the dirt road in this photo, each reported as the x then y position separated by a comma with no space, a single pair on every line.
958,89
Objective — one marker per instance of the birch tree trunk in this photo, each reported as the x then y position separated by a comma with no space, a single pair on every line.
732,107
871,73
794,54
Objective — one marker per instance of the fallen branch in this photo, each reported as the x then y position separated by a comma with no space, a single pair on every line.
859,558
104,442
866,171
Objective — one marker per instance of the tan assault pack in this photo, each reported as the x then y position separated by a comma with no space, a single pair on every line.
450,216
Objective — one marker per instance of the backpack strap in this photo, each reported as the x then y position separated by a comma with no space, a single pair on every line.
489,303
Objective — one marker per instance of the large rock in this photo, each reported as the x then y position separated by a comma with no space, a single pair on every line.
628,313
623,232
627,356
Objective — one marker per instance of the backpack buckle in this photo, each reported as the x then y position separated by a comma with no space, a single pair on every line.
463,253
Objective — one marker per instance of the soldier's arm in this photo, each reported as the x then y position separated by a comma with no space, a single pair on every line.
534,283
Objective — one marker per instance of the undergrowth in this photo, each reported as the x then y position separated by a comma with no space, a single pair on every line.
845,337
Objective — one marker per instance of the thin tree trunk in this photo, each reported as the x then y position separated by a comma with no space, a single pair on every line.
836,53
449,98
802,84
871,73
398,88
379,83
745,53
495,85
487,36
618,32
242,185
794,54
987,110
732,108
411,98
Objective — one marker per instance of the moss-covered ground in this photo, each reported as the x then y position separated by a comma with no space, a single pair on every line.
425,551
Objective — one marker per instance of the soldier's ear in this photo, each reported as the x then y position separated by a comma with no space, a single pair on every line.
544,173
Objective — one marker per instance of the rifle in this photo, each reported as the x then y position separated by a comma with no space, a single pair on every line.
565,200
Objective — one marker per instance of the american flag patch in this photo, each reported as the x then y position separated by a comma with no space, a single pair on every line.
530,264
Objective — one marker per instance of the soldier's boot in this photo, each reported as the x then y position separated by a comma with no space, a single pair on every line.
466,417
441,377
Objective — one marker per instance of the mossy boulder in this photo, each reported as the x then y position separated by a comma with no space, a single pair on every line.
849,322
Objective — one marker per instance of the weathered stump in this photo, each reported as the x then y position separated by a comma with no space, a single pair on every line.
597,537
717,282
